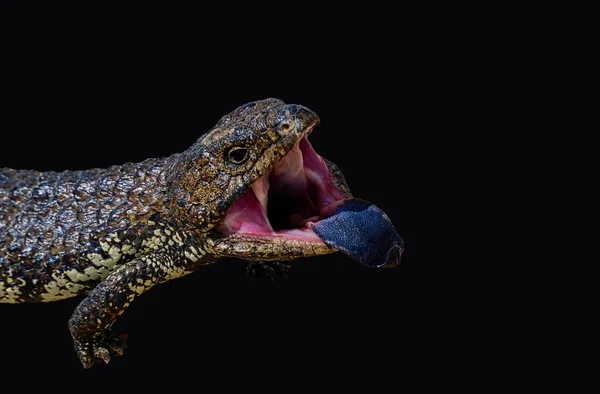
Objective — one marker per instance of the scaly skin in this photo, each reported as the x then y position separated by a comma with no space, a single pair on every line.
115,233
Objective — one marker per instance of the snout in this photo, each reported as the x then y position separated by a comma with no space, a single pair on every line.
302,116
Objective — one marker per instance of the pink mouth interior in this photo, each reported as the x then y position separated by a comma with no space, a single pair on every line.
285,201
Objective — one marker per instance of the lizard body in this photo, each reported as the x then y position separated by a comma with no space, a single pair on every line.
246,189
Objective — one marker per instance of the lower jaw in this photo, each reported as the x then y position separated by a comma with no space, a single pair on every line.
272,248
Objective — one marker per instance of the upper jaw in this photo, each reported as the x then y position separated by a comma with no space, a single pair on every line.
308,129
294,122
304,117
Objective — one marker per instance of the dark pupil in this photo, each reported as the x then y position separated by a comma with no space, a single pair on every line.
238,155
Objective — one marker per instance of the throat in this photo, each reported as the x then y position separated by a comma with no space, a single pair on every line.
286,211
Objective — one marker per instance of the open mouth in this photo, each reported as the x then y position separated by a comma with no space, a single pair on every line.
284,202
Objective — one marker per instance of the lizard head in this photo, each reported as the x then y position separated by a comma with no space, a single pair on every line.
254,184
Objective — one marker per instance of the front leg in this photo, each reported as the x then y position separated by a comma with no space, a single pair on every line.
90,324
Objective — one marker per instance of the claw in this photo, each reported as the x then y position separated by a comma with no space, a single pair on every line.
100,348
87,364
118,344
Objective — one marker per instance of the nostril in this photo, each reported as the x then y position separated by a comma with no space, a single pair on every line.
294,116
304,114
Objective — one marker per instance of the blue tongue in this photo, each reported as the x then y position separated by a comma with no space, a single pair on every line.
363,232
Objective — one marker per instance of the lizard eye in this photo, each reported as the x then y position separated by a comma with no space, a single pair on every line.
238,155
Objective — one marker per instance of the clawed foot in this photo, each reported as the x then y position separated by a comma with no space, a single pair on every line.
100,348
267,269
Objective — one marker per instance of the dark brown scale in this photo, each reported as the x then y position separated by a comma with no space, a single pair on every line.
49,219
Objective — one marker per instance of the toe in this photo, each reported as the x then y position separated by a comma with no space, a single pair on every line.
118,344
102,353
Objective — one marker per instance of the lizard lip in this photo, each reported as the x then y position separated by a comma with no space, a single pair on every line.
286,201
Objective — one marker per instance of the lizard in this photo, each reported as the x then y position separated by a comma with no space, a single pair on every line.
249,188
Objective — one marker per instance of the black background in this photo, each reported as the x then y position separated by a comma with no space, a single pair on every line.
83,89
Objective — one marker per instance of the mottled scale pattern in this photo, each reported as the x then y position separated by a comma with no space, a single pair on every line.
91,322
55,226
